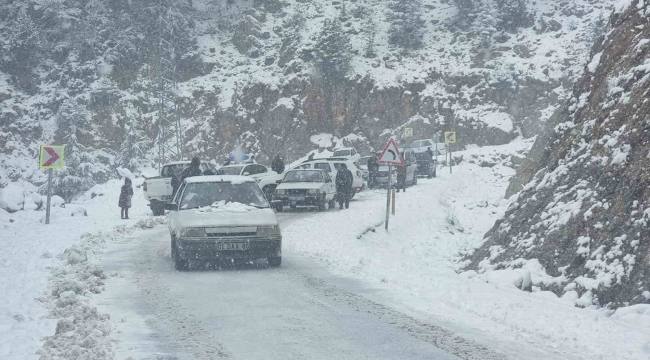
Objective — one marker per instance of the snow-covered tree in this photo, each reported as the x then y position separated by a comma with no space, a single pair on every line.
22,52
332,52
133,150
465,9
485,23
406,24
369,50
512,13
79,166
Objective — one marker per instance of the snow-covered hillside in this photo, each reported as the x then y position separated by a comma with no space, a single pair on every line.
248,76
584,215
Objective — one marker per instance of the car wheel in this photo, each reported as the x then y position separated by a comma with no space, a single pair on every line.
274,261
173,249
157,208
293,207
415,180
332,203
181,264
435,171
354,192
323,205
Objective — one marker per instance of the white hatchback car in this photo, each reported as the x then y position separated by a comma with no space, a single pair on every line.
223,217
331,166
306,188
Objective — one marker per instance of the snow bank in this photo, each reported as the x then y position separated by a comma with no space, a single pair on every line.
30,250
415,265
12,197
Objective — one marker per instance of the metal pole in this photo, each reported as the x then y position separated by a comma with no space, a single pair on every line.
49,196
451,153
393,204
390,177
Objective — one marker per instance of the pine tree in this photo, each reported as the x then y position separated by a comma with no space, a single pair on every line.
133,149
23,51
486,22
332,52
80,165
512,13
369,50
406,24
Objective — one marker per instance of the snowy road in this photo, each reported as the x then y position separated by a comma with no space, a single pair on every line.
296,312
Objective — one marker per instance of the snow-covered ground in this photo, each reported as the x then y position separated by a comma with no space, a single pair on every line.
413,268
32,251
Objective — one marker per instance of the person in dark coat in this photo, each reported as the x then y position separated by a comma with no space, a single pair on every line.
176,181
126,193
373,167
277,165
344,186
311,157
193,170
401,178
429,153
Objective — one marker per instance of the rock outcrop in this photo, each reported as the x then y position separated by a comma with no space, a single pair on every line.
585,215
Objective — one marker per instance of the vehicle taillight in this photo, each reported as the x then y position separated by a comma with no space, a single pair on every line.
358,189
144,186
359,173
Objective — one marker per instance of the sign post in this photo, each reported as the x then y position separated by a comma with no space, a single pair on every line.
390,156
51,157
450,138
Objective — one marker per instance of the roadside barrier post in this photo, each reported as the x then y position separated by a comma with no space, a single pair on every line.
390,176
393,207
49,196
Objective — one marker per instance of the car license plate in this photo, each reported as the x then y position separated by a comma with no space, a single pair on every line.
232,246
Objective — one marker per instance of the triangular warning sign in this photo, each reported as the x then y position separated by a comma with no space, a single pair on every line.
391,155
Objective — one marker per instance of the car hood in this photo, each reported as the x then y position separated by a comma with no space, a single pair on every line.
240,216
299,185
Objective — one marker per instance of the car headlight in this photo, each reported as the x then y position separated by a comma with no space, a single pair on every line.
193,232
280,192
268,230
313,192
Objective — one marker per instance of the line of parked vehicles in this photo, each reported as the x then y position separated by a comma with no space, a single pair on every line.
229,215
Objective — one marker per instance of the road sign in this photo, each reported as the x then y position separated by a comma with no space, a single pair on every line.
408,132
390,155
51,157
450,137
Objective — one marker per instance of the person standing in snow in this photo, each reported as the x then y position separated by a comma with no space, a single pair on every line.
193,170
401,178
344,186
429,153
126,193
311,157
373,167
277,165
176,181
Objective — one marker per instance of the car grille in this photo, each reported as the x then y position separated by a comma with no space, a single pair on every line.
297,192
231,231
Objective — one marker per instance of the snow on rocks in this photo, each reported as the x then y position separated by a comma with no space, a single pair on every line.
12,197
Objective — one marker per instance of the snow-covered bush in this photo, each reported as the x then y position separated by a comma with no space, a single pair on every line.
512,13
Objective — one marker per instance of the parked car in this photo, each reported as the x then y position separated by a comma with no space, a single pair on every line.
332,165
411,171
158,190
362,164
265,178
306,188
223,218
347,153
420,146
427,165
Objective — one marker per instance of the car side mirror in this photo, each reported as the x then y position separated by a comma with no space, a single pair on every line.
246,173
171,206
275,204
278,181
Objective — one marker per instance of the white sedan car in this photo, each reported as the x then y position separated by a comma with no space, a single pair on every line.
223,217
306,188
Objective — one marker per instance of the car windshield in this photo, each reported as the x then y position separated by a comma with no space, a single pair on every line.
338,153
230,170
363,161
313,176
170,170
200,195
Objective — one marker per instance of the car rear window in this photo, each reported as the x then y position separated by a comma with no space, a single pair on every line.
211,194
341,153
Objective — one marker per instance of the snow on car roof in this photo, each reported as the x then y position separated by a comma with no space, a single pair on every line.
235,179
178,163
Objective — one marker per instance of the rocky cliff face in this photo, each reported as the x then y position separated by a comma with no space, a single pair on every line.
585,215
